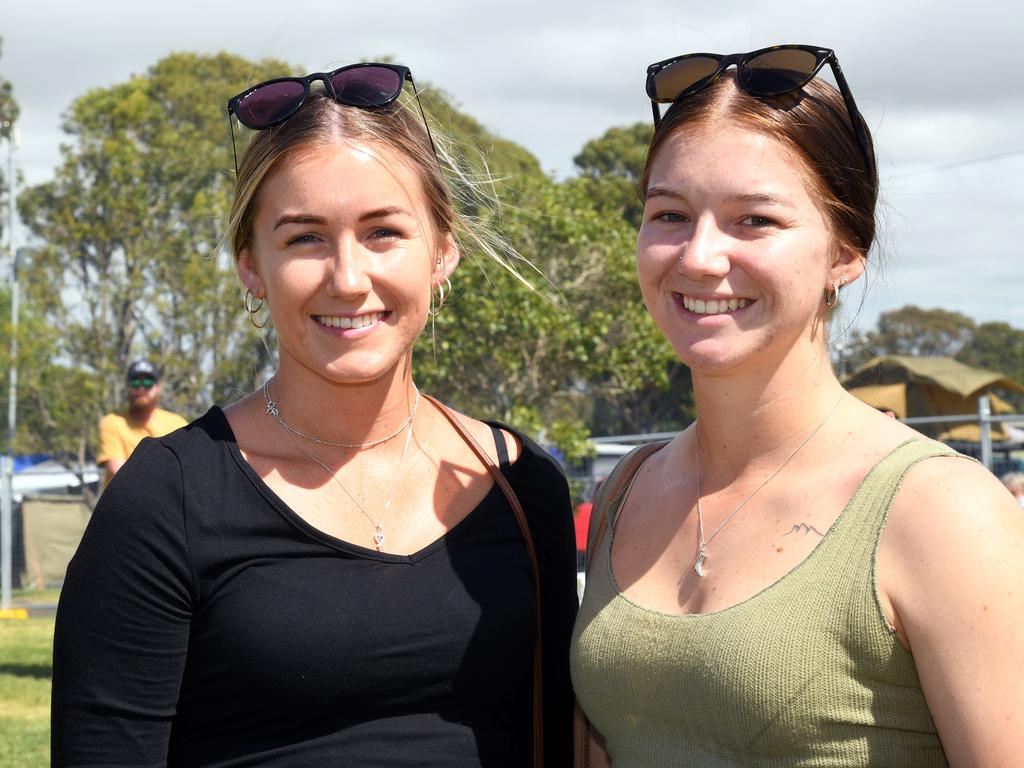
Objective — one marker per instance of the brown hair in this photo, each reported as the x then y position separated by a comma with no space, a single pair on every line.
814,123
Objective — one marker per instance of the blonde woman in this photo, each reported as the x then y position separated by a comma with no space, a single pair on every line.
325,573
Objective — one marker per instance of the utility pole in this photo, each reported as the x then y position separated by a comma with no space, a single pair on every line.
7,496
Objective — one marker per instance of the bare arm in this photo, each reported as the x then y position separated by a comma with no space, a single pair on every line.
952,565
112,466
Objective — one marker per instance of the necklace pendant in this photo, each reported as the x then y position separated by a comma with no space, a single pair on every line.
378,538
698,567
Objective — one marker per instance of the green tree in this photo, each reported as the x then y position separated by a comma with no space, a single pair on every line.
130,226
921,332
613,164
998,347
548,360
9,112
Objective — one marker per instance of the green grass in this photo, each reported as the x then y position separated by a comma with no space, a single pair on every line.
25,674
24,596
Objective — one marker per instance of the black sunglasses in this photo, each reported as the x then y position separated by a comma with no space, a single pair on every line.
766,72
146,383
366,85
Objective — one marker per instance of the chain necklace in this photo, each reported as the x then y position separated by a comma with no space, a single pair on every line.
272,409
702,549
378,528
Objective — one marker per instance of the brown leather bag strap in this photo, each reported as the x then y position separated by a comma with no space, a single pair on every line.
517,509
607,503
612,493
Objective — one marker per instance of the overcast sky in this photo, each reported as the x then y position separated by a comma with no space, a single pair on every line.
939,83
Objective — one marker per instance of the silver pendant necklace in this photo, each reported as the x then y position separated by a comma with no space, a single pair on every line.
378,528
702,547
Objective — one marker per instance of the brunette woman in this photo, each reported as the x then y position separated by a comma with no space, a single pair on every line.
796,579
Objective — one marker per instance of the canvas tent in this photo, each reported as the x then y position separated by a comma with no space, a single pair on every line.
932,386
52,526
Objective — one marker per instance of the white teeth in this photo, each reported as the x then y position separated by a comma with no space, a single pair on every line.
713,307
359,321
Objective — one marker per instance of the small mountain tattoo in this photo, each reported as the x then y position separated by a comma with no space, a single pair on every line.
805,528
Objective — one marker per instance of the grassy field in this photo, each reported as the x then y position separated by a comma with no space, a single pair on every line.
25,673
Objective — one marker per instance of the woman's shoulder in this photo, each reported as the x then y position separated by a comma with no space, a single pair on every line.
947,504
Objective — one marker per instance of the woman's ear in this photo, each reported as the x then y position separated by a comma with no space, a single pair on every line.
847,266
248,273
447,259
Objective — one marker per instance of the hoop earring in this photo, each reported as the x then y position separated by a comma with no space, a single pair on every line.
832,292
444,292
252,307
832,296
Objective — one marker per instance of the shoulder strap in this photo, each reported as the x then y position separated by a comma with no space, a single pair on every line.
501,448
612,493
517,509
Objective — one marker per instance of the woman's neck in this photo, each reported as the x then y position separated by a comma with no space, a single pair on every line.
756,414
343,412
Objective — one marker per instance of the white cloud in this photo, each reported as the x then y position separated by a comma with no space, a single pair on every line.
936,82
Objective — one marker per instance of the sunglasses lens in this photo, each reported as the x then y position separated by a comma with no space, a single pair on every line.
270,103
689,73
143,383
367,86
776,72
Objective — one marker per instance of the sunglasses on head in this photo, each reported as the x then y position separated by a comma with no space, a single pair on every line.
146,383
367,86
770,71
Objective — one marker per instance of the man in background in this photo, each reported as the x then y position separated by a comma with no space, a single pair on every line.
121,432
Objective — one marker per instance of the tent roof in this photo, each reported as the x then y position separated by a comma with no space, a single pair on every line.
943,372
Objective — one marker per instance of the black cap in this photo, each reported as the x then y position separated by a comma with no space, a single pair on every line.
143,369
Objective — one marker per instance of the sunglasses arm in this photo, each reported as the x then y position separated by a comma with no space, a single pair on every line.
231,132
851,107
657,113
430,136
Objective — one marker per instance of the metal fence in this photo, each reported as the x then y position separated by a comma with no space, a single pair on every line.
984,418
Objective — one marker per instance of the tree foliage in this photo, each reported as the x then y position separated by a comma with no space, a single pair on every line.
613,164
923,332
130,264
130,227
9,112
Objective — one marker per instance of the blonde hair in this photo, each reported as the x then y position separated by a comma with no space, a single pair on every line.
446,183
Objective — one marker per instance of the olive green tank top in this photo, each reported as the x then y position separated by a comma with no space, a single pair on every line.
805,673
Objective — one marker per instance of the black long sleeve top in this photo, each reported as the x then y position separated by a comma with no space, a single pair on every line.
204,623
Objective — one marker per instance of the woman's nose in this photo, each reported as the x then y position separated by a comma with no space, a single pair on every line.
349,273
706,252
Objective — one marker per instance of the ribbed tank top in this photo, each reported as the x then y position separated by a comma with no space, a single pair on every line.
805,673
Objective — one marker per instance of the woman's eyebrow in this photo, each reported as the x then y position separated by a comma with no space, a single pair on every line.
299,218
658,191
764,197
380,213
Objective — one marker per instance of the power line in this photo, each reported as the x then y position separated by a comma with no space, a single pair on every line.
961,163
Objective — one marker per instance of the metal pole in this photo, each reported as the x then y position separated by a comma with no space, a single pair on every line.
985,422
7,502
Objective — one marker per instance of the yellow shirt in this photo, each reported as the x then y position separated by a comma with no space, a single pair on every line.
119,434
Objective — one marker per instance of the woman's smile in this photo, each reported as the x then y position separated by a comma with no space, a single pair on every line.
351,326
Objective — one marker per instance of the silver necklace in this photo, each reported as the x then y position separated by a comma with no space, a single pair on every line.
702,549
378,528
273,410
